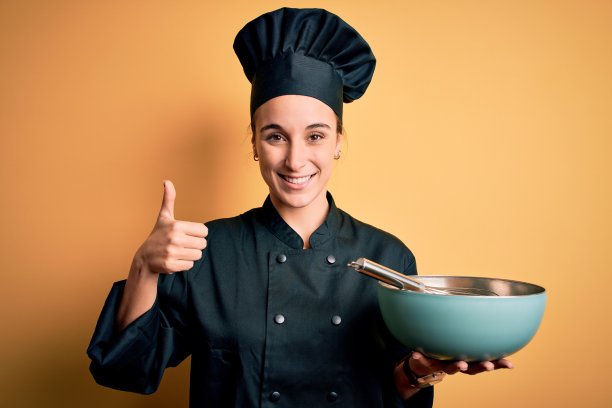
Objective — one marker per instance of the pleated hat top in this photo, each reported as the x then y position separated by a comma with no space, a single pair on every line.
309,52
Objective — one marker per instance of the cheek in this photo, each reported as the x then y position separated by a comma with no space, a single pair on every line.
268,161
266,172
326,159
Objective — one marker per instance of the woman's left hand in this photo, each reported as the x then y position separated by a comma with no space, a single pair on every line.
422,366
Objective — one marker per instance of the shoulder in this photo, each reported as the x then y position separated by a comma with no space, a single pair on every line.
375,243
227,237
233,233
350,225
233,225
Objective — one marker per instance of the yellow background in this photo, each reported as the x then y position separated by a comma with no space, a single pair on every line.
484,143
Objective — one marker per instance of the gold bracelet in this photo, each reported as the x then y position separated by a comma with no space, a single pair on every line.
424,381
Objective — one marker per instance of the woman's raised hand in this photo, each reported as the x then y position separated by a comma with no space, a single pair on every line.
172,246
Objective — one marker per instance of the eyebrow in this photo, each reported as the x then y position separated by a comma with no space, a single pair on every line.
309,127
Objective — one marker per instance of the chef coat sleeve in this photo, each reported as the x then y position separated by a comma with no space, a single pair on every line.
422,399
135,358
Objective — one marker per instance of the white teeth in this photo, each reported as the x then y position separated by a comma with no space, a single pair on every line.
297,180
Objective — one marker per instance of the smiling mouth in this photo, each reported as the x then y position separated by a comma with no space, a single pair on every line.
296,180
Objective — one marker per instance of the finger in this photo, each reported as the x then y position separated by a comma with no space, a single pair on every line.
176,265
187,254
187,241
487,365
167,208
479,367
456,367
194,229
424,364
503,363
421,365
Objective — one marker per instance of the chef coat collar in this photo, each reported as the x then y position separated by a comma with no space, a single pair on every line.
287,235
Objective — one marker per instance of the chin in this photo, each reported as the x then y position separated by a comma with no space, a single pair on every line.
297,200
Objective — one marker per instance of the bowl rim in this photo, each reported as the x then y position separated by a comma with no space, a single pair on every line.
540,290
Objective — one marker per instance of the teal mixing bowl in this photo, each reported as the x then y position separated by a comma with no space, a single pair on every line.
470,328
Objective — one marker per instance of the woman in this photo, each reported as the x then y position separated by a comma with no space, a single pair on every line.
264,302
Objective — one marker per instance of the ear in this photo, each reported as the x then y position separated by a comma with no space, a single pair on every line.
339,140
255,154
253,140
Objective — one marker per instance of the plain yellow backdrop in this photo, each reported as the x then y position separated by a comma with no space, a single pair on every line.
484,143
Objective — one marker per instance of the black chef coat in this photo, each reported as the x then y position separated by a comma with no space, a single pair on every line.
267,323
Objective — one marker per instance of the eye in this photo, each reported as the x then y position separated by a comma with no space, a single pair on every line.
315,137
275,138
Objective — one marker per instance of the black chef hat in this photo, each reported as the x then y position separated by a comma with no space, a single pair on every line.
308,52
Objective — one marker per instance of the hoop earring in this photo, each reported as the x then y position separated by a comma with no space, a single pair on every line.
337,155
255,157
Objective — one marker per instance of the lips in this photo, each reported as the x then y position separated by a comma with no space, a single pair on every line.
297,180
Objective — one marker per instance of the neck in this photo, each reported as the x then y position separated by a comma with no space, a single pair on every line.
304,220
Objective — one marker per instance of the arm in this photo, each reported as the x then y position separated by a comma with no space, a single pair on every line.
172,246
142,328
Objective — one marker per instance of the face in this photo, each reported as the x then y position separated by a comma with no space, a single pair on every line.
296,140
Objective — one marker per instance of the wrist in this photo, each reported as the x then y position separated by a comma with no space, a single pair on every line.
140,271
423,381
141,277
402,385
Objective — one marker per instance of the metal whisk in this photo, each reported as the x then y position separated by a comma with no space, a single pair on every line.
401,281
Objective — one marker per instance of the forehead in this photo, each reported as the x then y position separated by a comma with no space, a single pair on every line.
294,111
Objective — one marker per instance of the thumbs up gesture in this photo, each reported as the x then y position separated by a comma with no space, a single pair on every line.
172,246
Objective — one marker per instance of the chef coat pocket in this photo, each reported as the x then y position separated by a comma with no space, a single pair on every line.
220,378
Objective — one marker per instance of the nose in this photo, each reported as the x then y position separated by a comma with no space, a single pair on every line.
296,156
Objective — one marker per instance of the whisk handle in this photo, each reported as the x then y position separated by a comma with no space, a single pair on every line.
384,274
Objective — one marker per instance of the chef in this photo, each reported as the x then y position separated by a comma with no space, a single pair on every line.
264,302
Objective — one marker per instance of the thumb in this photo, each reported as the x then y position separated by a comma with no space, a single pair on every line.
167,208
